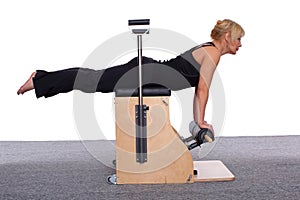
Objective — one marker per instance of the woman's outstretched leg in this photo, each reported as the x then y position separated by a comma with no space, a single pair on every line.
28,85
47,84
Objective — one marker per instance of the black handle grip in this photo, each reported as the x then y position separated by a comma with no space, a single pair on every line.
192,146
135,22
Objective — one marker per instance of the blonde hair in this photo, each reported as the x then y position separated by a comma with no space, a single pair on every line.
224,26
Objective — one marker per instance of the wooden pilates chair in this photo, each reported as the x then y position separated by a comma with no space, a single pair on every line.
148,148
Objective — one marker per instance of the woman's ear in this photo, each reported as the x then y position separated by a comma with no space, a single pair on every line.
227,36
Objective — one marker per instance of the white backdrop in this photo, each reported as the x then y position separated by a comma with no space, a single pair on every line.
261,82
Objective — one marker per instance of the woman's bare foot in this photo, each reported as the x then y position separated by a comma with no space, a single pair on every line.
28,85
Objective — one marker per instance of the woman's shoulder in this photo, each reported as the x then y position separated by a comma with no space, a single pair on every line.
207,50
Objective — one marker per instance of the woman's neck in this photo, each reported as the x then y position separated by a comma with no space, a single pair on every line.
221,46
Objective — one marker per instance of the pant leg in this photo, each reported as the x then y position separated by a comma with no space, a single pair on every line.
121,76
48,84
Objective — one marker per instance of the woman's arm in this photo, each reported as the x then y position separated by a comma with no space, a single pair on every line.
200,101
208,57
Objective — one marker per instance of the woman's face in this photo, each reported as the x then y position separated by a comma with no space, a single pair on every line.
234,45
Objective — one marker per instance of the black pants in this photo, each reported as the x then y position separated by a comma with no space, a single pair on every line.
168,74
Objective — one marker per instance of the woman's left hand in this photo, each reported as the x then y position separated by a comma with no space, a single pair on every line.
204,124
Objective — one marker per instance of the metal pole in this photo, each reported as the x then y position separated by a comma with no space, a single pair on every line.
139,40
141,137
140,109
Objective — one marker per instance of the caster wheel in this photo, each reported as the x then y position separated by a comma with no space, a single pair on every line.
112,179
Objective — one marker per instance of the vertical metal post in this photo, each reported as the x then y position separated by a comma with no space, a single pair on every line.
140,109
141,134
139,40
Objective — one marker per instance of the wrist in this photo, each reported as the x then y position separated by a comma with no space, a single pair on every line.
202,122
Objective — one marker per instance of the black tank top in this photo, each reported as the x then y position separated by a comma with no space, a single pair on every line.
186,64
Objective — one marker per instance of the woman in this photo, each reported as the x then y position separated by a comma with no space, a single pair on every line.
194,68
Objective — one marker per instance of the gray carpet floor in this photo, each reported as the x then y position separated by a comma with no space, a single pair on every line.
264,167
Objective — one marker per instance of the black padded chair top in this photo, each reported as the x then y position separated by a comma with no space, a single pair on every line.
148,90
